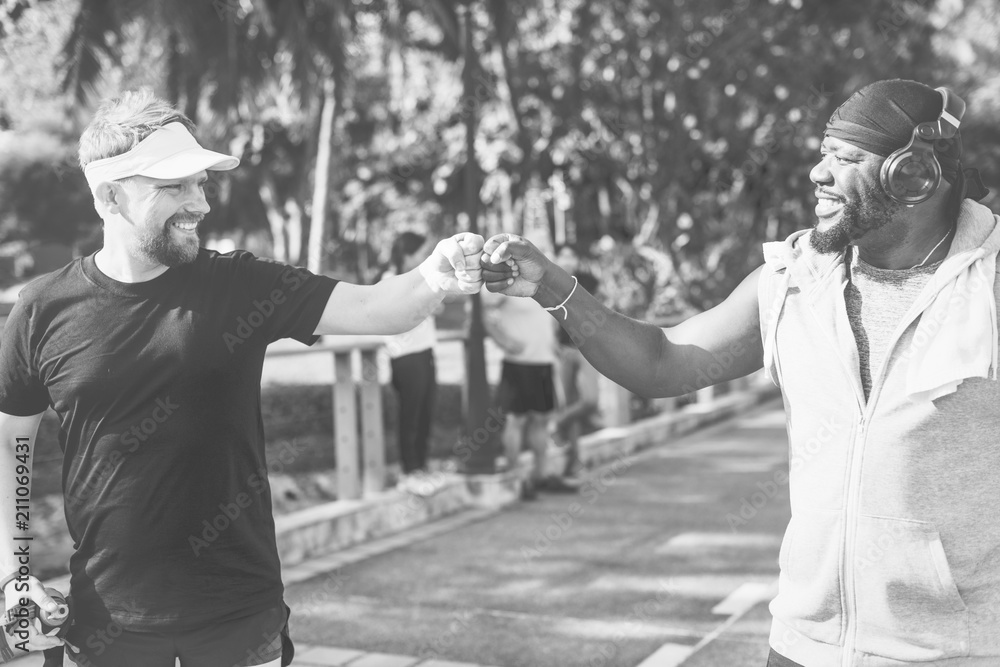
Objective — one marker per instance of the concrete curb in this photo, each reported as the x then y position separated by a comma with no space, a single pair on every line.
609,444
336,525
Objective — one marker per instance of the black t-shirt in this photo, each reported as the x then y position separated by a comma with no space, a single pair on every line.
157,387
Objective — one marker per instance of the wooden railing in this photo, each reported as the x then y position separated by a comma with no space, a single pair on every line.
359,471
357,398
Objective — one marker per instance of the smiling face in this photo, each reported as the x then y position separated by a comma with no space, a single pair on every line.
164,217
851,202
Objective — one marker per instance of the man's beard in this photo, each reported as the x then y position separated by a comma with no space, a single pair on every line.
872,209
161,247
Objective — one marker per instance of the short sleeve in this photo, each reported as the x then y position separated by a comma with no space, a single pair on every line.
291,299
22,393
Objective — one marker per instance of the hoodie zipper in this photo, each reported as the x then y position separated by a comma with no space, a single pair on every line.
853,460
854,476
850,537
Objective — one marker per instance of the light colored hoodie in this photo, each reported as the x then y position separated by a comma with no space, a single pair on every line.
892,555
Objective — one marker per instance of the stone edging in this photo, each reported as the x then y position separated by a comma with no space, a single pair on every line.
339,524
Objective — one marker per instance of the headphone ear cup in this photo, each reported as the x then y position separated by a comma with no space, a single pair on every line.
911,176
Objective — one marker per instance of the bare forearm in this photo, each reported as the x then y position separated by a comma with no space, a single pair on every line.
392,306
622,349
406,300
718,345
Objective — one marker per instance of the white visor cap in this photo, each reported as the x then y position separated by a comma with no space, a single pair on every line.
168,153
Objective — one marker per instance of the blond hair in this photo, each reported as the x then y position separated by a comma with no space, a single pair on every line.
122,122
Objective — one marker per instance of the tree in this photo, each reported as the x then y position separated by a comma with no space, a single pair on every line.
679,132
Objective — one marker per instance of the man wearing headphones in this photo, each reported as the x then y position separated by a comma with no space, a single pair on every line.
880,326
150,352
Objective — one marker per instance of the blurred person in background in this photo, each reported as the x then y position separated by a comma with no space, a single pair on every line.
413,372
526,394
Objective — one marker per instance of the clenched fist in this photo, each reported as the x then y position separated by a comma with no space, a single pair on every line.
453,267
512,265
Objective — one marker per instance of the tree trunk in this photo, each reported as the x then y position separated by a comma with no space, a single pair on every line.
477,391
394,65
321,185
294,227
275,220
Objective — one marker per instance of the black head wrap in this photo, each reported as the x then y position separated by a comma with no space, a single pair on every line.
880,118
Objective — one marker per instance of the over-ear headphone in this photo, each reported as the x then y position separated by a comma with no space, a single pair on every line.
912,174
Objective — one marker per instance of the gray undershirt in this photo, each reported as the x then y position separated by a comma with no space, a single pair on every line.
877,299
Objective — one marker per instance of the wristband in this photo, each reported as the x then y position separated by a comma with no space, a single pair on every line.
430,275
563,304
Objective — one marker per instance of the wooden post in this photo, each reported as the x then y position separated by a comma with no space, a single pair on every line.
345,427
372,435
477,398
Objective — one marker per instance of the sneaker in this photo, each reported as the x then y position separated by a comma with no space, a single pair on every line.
423,484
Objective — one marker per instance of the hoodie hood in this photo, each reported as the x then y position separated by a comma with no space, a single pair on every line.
958,336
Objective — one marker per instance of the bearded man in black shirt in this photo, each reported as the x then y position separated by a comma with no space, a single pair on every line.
150,352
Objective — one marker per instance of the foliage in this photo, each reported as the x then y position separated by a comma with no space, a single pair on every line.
32,164
672,137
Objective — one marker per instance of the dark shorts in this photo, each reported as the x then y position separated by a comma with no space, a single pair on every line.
777,660
526,387
252,640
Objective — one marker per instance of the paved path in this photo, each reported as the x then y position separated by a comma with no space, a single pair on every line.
666,558
642,567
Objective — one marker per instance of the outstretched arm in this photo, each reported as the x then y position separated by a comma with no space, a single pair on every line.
400,303
720,344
